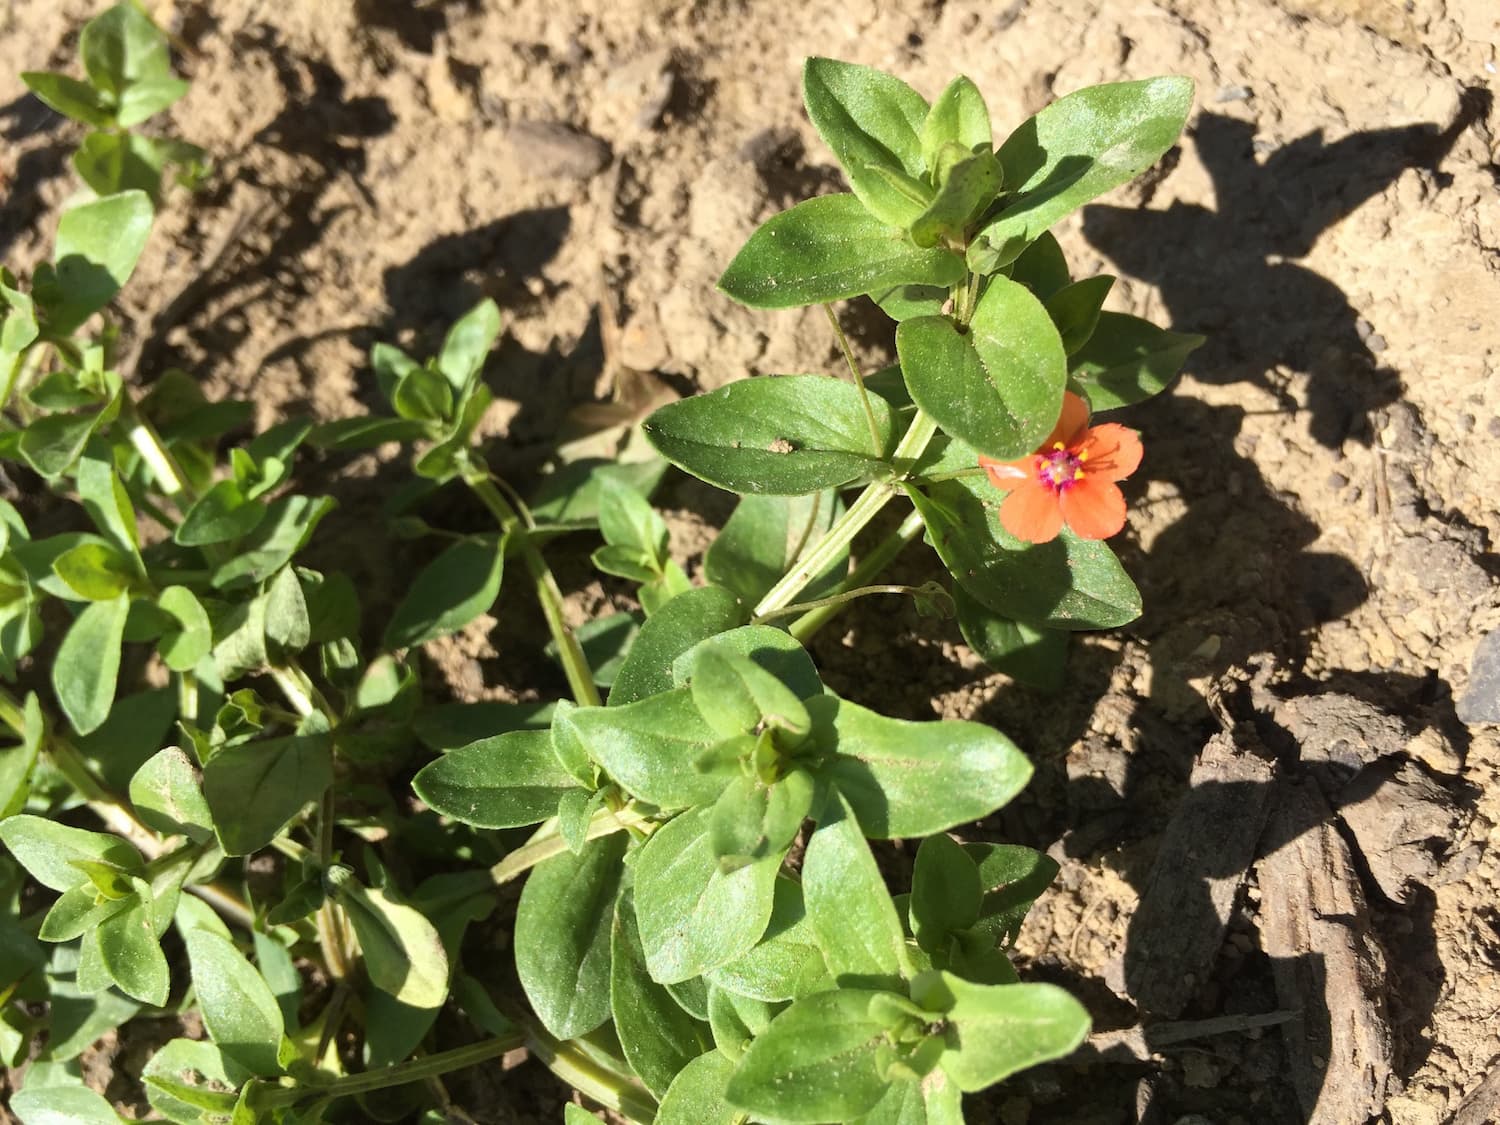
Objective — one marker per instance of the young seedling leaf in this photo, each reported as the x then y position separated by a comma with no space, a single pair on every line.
945,891
467,343
95,571
827,249
652,748
507,781
786,435
1127,360
1075,309
132,955
959,116
168,796
871,121
996,384
1034,656
968,187
1041,268
786,963
1075,150
122,47
51,852
448,593
772,649
562,937
70,97
403,951
907,779
735,696
697,1094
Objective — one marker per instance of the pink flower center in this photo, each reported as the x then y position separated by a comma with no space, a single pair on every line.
1059,469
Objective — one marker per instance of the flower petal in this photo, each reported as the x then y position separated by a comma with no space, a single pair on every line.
1093,507
1032,513
1006,475
1072,423
1114,451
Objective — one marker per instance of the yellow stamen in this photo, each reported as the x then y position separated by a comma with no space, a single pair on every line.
1077,474
1059,446
1083,454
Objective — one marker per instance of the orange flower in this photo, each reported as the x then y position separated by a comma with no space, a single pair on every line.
1069,479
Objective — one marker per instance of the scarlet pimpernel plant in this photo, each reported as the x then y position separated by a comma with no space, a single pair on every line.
703,932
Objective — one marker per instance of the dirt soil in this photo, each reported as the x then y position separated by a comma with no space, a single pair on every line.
1313,527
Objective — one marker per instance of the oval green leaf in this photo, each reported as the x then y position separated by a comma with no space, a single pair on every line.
508,781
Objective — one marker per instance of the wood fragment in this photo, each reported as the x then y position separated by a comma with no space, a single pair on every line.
1482,1106
1138,1044
1205,851
1325,960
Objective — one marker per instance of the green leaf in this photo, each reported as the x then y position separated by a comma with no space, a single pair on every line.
693,915
968,187
652,748
451,725
786,963
121,47
256,787
141,100
1075,309
998,384
87,667
448,593
945,892
1127,360
51,852
1041,268
17,762
132,955
70,97
288,525
772,649
79,910
935,1100
62,1105
697,1094
95,253
752,819
240,639
658,1037
562,936
871,121
737,696
623,562
506,781
95,571
403,951
51,444
367,432
221,514
959,116
192,1082
168,796
108,504
913,779
996,1030
785,435
1076,149
848,905
468,342
1069,583
902,302
1033,656
423,395
679,625
829,248
115,162
627,520
287,623
239,1008
816,1062
765,537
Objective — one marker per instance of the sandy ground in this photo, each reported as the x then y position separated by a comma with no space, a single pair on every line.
1318,502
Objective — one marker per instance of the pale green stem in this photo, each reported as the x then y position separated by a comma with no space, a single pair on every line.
546,843
859,380
417,1070
839,600
838,537
604,1085
548,594
878,558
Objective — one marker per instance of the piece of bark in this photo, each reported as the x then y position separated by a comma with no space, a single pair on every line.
1326,962
1403,822
1205,851
1482,1106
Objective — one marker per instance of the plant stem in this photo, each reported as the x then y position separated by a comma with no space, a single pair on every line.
879,557
548,594
605,1085
838,537
839,600
859,380
417,1070
546,843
